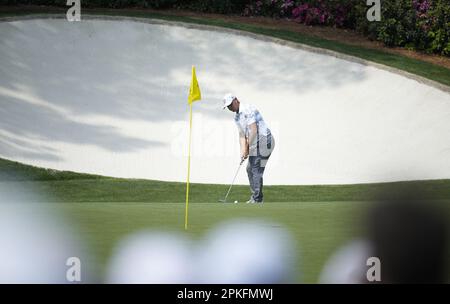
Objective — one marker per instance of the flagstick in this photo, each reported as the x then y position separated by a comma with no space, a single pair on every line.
189,168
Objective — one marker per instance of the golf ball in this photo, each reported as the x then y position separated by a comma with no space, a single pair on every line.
235,202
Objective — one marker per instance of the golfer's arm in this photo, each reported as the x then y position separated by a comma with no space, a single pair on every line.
252,134
243,143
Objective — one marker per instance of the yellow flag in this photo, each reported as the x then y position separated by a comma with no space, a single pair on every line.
194,94
194,91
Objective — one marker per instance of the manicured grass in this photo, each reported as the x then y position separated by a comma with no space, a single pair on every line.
15,171
320,218
421,68
318,228
104,209
63,186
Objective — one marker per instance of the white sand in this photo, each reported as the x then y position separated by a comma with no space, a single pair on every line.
109,97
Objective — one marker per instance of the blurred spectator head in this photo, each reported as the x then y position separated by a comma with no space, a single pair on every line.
247,251
348,264
410,237
151,257
38,244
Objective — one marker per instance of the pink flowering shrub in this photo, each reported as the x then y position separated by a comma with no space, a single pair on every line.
312,12
416,24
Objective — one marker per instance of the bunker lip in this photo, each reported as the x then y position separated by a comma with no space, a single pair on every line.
331,97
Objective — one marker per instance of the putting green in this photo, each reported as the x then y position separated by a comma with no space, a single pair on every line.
104,210
318,227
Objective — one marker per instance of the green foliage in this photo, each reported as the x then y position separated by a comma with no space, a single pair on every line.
212,6
422,25
415,24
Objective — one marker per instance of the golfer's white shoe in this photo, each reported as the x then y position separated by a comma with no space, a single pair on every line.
250,201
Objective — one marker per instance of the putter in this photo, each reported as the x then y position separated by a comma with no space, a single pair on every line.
229,189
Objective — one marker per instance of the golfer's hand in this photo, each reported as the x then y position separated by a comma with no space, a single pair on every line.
244,154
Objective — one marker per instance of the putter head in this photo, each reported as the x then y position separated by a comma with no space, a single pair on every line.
222,201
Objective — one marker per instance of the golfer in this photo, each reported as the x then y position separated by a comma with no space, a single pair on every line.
256,142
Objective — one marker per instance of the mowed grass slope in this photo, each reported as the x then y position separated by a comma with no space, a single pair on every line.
104,209
64,186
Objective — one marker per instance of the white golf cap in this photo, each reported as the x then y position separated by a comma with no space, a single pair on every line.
228,99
